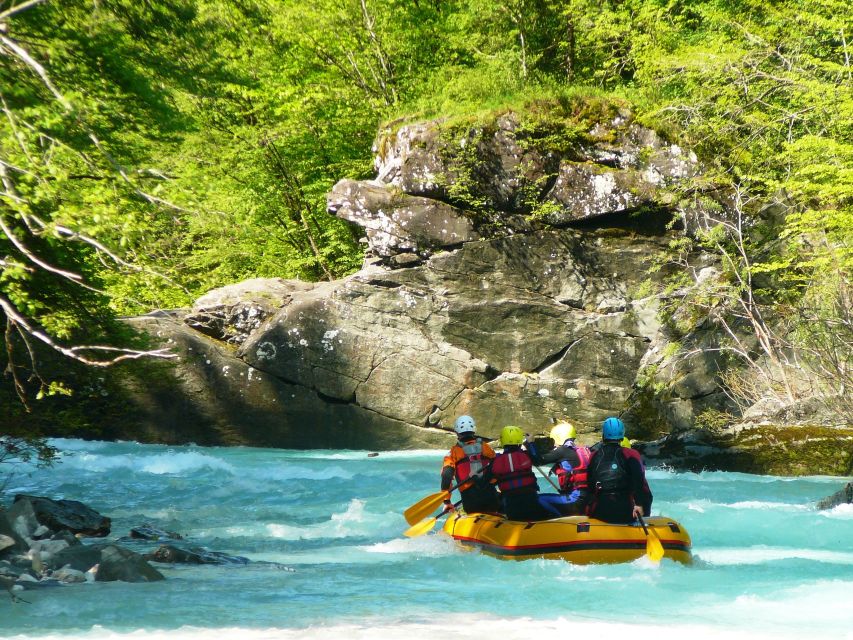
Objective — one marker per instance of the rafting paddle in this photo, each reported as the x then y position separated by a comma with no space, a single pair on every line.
531,451
654,547
547,477
425,526
426,506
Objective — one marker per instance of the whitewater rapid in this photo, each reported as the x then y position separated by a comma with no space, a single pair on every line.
323,530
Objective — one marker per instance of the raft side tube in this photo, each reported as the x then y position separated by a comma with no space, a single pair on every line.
576,539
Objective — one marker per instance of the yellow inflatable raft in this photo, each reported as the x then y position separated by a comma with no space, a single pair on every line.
578,539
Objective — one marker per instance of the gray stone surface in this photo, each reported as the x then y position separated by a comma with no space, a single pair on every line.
29,514
9,534
118,563
517,322
171,554
842,496
231,313
214,397
492,159
518,329
396,222
486,312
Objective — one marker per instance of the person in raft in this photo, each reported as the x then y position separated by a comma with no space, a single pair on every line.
465,465
617,479
627,444
513,471
570,462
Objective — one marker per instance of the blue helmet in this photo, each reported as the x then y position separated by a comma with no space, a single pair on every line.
464,424
613,429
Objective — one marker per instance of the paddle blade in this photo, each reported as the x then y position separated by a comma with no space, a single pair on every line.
422,527
425,507
654,547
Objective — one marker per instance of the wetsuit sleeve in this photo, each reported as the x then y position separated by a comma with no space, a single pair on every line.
488,452
488,476
639,487
554,456
448,471
446,478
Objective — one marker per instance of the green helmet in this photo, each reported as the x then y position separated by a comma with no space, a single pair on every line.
511,435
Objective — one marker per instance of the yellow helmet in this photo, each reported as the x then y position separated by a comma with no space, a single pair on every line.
511,435
625,442
563,431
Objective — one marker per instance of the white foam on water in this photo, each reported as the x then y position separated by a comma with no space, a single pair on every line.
327,454
763,554
704,505
699,505
353,522
754,505
182,463
169,463
427,545
470,626
432,546
663,473
298,472
68,444
839,512
818,609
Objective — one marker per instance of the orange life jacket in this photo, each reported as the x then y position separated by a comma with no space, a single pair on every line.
468,458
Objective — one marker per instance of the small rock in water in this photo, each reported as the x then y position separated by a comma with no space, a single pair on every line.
6,542
148,532
68,575
844,496
171,554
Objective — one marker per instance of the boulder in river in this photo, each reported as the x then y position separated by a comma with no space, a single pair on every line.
150,532
38,517
842,496
108,562
118,563
168,553
10,540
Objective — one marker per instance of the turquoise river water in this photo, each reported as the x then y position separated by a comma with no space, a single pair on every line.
324,532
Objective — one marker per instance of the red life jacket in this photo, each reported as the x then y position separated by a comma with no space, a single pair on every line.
514,471
576,478
471,462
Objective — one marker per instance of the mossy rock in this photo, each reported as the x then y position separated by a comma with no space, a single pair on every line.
758,448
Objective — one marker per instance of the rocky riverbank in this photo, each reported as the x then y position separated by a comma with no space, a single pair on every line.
42,545
519,269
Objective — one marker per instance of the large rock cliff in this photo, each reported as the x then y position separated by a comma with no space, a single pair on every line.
509,276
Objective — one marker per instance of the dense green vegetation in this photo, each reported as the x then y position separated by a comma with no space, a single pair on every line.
151,151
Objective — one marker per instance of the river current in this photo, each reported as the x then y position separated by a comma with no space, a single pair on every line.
323,530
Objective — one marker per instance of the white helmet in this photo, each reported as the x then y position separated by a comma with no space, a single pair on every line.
464,424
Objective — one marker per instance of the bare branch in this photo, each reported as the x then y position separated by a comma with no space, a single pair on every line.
76,353
33,257
18,8
10,364
25,57
71,234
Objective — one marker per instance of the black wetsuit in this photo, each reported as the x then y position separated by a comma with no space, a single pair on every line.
617,482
